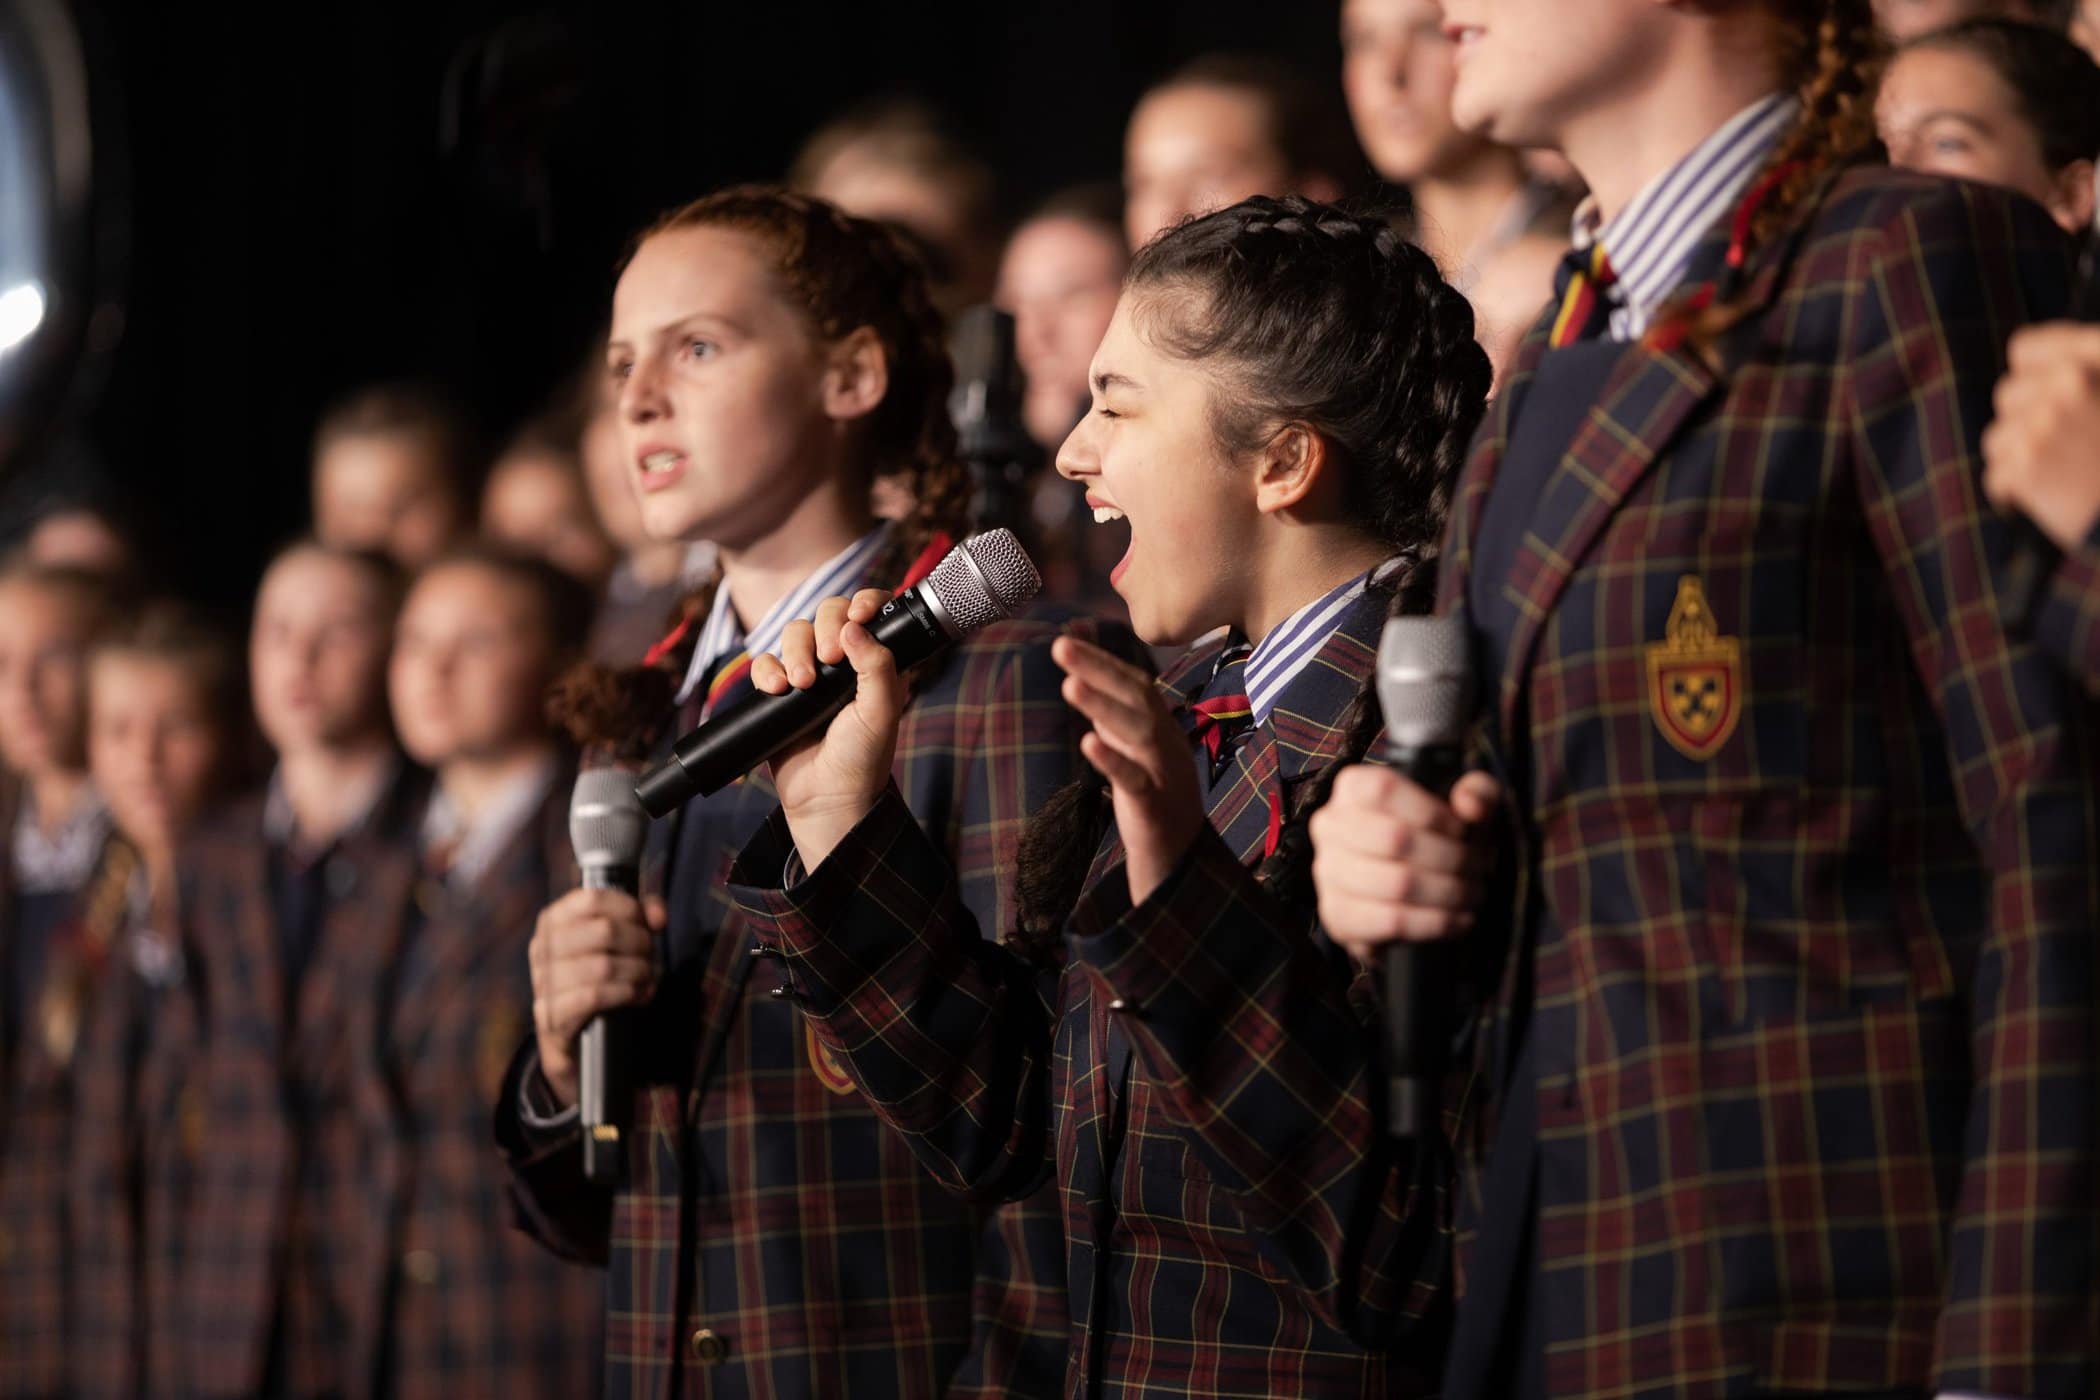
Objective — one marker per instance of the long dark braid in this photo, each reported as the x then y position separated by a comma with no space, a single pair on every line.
845,273
1310,314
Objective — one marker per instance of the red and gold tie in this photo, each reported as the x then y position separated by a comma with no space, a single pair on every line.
1583,286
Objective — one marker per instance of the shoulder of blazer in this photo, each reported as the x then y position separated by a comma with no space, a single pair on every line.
1869,211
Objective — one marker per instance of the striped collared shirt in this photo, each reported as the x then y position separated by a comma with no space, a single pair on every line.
1292,643
724,635
1651,241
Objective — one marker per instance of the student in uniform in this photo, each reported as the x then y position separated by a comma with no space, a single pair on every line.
242,1295
774,358
1789,1052
1281,400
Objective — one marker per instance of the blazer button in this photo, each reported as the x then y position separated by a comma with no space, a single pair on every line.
421,1266
1119,1005
709,1348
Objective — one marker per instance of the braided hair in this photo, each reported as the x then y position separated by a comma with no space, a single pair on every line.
1831,54
844,274
1308,314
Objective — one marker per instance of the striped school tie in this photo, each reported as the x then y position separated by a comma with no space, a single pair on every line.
1583,288
1224,713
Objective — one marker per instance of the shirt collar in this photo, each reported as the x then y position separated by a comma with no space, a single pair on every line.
1292,643
1652,240
56,861
281,825
477,845
723,635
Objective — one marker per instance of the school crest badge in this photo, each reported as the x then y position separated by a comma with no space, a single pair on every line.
1695,677
830,1073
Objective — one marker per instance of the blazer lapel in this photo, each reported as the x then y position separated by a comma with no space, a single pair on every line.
1484,459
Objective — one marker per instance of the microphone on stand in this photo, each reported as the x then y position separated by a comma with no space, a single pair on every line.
985,578
1425,688
606,828
990,437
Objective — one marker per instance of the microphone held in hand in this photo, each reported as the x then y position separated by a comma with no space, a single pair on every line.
985,578
606,829
1425,688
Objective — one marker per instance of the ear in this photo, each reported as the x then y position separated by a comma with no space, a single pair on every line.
1290,468
856,375
2072,201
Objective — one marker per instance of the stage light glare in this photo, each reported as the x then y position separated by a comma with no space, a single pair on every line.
21,312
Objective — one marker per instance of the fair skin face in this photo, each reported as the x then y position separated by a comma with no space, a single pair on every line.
384,492
77,539
863,184
1398,70
1906,19
1947,112
43,696
1059,280
153,747
1273,540
2038,452
740,427
2085,28
615,503
537,504
471,662
317,654
1196,147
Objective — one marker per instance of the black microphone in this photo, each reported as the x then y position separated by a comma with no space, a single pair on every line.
606,828
983,579
1425,687
990,437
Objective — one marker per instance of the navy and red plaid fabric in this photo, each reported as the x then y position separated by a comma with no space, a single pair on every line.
1199,1083
2069,621
775,1237
1817,1105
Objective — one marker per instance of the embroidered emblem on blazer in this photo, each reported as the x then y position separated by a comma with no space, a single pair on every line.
830,1073
1695,677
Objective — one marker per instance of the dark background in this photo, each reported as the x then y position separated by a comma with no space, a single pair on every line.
323,194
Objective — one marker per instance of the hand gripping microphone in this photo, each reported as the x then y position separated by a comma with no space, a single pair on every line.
1425,688
983,579
606,827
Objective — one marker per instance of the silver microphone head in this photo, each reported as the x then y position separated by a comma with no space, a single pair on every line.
1425,679
985,578
607,825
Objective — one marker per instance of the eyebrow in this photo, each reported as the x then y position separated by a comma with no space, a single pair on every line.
677,324
1950,114
1109,379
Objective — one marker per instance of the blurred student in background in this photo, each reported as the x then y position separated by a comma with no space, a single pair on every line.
896,161
2000,102
645,587
57,829
257,1299
390,472
1497,232
1223,129
168,738
471,1302
1903,20
535,502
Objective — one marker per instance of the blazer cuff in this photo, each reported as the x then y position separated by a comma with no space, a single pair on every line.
526,1131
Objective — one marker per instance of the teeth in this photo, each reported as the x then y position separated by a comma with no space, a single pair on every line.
1104,514
659,461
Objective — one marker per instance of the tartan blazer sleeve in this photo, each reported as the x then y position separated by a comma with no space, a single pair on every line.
2069,624
1947,278
1244,1018
946,1032
551,1200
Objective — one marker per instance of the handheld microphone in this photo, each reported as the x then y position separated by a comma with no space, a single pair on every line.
606,828
985,405
1425,688
985,578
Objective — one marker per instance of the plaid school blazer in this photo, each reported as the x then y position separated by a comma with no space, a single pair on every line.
1201,1079
1817,1098
773,1238
217,1289
2069,621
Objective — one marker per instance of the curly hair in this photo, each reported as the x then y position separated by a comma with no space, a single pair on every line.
1307,314
844,274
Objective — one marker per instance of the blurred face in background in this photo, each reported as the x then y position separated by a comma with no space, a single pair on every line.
1946,111
472,664
1524,68
78,539
317,654
1195,147
386,492
1398,70
154,747
43,680
724,405
536,503
865,183
1907,19
2085,28
611,480
1059,280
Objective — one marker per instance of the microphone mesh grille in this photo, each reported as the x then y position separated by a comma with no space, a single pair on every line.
1425,679
1003,579
607,825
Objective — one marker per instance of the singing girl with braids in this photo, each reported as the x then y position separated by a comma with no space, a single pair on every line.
1791,1077
773,359
1282,398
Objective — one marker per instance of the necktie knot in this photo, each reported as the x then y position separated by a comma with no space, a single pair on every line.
1223,712
1582,287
